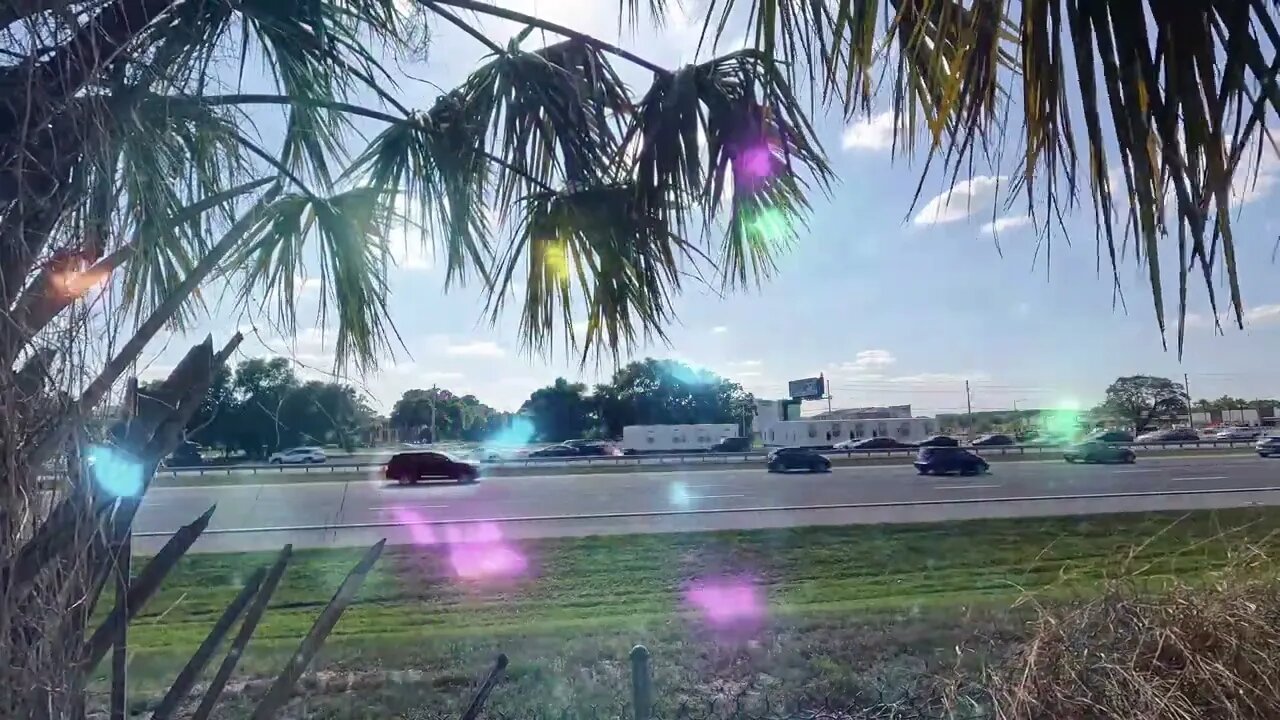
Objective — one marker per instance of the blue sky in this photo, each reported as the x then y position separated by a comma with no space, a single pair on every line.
893,305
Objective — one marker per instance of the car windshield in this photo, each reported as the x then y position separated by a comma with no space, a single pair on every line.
706,271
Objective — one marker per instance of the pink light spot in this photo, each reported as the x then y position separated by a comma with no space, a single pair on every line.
475,552
755,164
727,602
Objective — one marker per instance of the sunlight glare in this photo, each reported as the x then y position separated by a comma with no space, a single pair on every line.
475,552
769,224
115,471
727,602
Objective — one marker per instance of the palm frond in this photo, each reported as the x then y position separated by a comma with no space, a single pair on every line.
730,126
433,164
349,233
603,247
1177,91
550,115
169,159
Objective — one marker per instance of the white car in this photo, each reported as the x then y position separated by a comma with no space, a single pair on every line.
1237,433
298,456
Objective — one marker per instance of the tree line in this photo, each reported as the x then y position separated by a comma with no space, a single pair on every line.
645,392
263,406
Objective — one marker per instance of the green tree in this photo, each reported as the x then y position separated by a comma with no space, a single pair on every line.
661,392
453,417
560,411
1140,399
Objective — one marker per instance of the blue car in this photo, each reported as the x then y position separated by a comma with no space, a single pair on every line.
944,460
797,458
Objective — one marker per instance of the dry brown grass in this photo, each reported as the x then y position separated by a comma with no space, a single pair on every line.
1184,652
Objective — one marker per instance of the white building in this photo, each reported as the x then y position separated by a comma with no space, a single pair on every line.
774,427
674,438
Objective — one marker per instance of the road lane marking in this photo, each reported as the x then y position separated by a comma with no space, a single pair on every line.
1211,477
711,497
1145,470
965,487
332,527
406,507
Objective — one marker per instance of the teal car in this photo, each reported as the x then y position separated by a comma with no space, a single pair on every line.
1093,451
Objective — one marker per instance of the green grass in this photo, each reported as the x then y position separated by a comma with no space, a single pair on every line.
844,603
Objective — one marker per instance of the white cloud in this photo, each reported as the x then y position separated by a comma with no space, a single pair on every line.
1262,315
478,348
1022,309
937,378
304,286
719,330
869,362
409,252
966,198
873,133
1256,176
1004,224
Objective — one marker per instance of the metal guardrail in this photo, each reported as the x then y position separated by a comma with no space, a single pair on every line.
659,459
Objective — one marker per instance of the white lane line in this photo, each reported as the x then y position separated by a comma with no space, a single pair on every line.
710,497
965,487
407,507
1146,470
1211,477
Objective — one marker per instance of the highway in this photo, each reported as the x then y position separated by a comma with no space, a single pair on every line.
252,517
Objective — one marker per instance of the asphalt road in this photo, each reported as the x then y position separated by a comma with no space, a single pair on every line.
353,513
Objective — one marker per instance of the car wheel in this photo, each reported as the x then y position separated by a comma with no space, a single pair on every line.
922,471
775,467
276,461
1070,460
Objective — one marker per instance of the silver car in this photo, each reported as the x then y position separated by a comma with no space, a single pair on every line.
1268,446
298,456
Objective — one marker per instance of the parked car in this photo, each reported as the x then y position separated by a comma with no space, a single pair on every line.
1111,436
873,443
1237,433
797,458
185,455
1094,451
941,441
556,451
993,440
1173,435
732,444
409,468
943,460
298,456
1268,446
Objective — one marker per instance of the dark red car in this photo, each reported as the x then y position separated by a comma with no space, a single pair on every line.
409,468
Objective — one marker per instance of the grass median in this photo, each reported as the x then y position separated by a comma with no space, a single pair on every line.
217,477
841,607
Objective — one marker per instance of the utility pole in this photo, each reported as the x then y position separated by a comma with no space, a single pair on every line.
1186,388
968,403
434,392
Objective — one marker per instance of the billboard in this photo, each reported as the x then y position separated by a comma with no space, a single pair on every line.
807,388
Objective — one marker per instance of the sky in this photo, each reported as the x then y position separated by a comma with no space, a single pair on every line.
892,303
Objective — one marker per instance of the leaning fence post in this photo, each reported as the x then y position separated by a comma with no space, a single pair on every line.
641,683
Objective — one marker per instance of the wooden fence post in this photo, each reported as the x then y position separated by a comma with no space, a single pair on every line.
641,683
